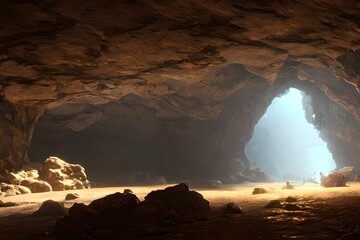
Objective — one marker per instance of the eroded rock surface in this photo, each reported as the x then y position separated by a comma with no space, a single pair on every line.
11,189
30,179
62,175
53,174
333,180
199,72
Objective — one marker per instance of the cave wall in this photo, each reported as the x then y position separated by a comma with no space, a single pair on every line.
17,123
188,78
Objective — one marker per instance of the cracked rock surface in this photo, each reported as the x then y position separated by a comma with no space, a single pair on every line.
187,70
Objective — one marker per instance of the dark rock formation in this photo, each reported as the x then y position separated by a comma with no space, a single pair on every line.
50,208
178,82
179,199
291,207
71,196
259,191
290,199
103,217
274,204
82,223
115,208
7,204
232,208
333,180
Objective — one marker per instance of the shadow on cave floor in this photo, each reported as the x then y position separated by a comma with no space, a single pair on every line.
332,213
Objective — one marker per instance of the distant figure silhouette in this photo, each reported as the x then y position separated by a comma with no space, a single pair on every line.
288,186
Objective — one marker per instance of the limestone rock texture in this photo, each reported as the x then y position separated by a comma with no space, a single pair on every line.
175,83
30,179
62,175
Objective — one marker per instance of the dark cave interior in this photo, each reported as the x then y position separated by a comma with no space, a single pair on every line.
158,92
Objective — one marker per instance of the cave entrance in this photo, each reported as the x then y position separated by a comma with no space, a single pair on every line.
285,145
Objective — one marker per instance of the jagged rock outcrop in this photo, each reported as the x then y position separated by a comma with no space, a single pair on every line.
53,174
11,189
187,79
30,179
62,175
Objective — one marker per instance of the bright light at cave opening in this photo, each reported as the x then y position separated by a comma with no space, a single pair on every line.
285,145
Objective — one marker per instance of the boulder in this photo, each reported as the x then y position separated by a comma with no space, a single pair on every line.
71,196
62,175
151,212
82,222
232,208
292,207
23,175
273,204
7,204
115,208
259,191
79,214
50,208
333,180
290,199
180,199
11,189
29,179
36,186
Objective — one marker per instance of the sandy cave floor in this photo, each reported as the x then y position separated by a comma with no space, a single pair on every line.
332,213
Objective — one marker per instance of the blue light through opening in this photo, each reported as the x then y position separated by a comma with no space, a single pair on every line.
285,145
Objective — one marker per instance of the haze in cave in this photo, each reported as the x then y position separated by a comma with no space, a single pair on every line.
285,145
179,119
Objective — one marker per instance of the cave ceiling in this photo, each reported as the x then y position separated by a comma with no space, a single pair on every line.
95,52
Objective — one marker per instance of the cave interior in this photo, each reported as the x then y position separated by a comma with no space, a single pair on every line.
155,92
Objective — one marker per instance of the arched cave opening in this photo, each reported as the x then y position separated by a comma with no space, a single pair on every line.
285,143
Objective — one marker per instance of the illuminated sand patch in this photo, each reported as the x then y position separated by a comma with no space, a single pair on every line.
330,213
241,194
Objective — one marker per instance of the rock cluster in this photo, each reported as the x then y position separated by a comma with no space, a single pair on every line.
62,175
30,179
53,174
124,209
11,189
